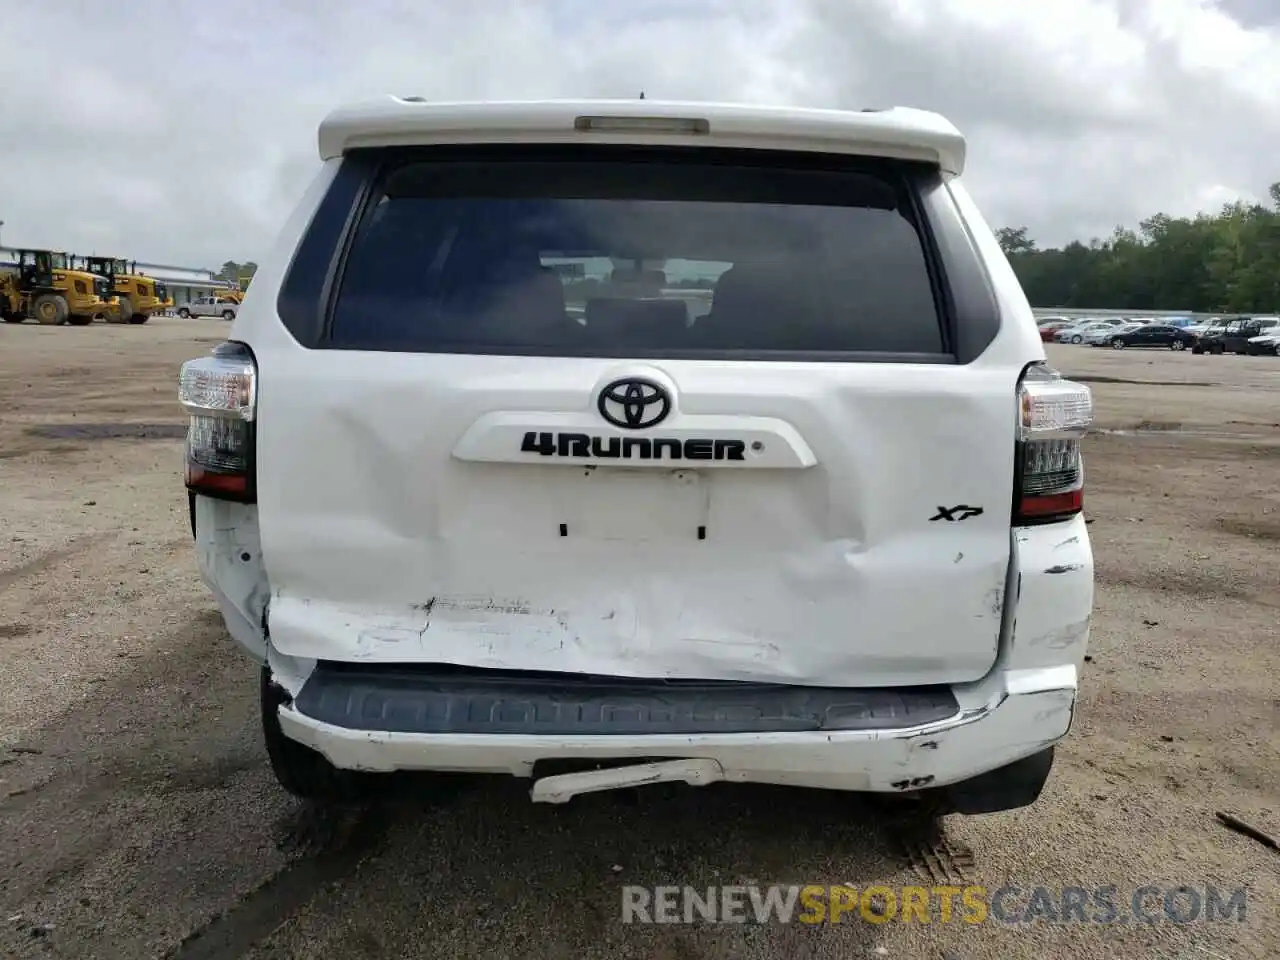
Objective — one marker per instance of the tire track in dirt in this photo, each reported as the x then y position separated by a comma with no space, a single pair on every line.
52,558
335,842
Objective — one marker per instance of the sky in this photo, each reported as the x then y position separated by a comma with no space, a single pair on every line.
185,130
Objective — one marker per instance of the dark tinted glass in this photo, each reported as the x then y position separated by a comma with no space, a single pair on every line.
618,258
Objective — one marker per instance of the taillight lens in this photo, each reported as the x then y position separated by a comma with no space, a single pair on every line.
220,393
1054,415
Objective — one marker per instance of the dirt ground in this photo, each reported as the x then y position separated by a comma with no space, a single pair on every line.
138,818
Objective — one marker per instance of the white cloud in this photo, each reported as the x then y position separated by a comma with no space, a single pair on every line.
190,137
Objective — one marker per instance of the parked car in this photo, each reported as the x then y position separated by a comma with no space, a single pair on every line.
1265,345
1078,334
1153,335
1049,330
1235,334
1200,329
209,307
1101,336
459,530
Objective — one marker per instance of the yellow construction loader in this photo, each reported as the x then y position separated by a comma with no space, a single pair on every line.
237,296
139,296
43,286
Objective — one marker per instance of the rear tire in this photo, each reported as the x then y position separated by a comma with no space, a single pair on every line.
228,315
184,313
124,313
1117,344
1177,345
138,318
80,319
50,309
299,769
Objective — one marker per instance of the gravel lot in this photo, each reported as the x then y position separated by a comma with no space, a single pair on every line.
138,818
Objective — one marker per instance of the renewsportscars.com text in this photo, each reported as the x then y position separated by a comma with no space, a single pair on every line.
816,904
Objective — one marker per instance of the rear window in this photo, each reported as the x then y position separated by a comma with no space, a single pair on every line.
632,256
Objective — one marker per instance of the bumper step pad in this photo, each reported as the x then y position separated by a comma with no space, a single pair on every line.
434,699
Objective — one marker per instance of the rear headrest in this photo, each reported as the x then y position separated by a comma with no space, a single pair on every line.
748,287
617,320
761,305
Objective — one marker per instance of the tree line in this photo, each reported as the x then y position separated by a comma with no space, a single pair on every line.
234,272
1213,263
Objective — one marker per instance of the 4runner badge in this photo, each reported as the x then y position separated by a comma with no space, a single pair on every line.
586,447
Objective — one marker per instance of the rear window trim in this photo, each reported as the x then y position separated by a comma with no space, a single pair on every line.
358,181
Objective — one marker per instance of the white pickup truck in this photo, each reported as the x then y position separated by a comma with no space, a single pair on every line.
210,307
473,506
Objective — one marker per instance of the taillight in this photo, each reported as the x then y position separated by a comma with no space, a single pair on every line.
1054,414
220,393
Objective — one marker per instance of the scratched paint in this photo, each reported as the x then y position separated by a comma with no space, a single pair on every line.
1063,637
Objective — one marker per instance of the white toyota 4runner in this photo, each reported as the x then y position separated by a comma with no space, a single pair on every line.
610,443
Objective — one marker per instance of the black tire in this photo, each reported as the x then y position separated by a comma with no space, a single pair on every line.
1197,349
1178,345
13,318
1117,344
228,315
1077,339
50,309
184,313
1218,350
138,318
80,319
299,769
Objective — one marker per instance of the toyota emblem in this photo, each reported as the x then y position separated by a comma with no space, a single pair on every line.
634,403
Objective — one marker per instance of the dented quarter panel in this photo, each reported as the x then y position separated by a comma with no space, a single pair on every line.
230,559
1052,618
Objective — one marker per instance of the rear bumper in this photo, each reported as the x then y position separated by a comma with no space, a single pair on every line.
1026,711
